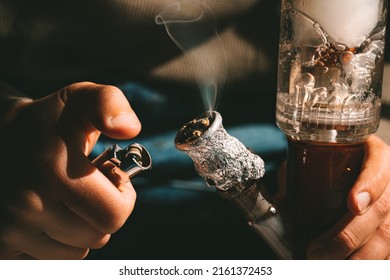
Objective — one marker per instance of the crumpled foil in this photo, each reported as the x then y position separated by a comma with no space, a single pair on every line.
221,159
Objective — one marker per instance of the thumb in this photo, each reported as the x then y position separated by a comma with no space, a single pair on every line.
103,108
374,177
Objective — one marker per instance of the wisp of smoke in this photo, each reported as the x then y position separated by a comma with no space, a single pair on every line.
190,24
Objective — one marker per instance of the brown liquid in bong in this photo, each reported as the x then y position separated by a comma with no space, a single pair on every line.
319,177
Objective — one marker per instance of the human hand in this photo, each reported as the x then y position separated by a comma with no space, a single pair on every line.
54,203
363,233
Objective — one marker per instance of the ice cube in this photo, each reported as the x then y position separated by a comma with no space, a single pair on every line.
348,22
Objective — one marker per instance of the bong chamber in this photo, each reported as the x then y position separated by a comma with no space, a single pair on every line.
331,56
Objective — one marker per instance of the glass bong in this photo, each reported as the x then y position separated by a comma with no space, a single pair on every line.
330,72
331,56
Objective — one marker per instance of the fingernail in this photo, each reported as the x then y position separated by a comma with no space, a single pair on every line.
364,200
318,254
124,119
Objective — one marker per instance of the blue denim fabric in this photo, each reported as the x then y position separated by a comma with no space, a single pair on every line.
176,215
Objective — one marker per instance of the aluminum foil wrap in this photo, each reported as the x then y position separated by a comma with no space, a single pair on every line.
221,159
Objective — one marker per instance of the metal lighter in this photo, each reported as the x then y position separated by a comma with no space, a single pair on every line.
133,159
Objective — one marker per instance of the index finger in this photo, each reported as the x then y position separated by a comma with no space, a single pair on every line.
98,201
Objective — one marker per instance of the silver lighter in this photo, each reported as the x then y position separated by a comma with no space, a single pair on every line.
133,159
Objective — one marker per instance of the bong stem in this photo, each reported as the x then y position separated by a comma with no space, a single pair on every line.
252,199
225,163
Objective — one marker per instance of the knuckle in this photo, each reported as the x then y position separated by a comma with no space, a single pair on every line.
63,94
348,239
118,212
34,203
26,204
378,180
114,218
384,230
109,91
381,206
99,241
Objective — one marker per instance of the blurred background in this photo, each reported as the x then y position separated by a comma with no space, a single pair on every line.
46,45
